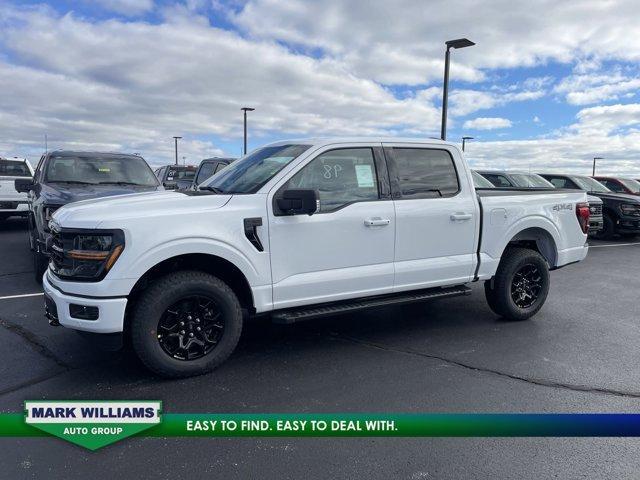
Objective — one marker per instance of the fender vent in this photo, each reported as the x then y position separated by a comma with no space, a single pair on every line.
251,232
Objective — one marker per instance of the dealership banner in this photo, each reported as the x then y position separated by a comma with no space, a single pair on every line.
94,424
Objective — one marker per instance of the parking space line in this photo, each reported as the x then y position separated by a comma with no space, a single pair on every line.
615,245
22,296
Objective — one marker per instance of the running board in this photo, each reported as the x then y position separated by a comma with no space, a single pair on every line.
299,314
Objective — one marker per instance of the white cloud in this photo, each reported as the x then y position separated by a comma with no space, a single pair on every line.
487,123
596,133
403,41
586,89
126,7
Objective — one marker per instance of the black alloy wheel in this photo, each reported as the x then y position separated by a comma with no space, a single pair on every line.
526,286
191,327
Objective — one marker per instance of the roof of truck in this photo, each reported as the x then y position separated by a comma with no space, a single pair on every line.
319,141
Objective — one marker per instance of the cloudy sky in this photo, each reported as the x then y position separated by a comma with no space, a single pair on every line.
548,86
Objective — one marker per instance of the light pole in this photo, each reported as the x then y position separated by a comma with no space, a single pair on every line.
464,140
245,110
594,165
175,139
458,43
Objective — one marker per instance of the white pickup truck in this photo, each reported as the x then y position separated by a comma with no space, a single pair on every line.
12,202
297,230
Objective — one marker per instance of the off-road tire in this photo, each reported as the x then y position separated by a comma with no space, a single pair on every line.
498,290
161,295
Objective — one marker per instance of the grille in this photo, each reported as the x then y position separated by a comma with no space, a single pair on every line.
595,209
57,251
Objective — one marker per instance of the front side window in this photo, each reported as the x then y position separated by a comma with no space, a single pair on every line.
561,182
12,168
530,180
340,176
251,173
97,170
425,173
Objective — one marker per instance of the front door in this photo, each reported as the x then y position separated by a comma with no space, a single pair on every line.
344,250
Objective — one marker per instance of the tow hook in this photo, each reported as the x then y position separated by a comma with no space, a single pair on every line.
53,321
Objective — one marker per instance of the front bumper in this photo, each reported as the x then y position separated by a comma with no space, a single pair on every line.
14,208
596,223
628,224
111,311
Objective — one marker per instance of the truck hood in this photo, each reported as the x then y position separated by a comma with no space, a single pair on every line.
62,193
115,212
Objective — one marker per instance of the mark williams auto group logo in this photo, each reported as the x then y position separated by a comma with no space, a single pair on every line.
92,424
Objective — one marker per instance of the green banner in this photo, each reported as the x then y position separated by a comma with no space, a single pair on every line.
92,424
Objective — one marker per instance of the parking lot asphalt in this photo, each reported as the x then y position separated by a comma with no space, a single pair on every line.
579,354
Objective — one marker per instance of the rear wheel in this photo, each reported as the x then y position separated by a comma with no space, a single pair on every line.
520,286
186,323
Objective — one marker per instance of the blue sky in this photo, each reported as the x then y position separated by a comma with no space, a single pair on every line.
547,84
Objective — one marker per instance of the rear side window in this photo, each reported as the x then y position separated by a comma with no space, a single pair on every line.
560,182
425,173
341,177
497,180
10,168
613,185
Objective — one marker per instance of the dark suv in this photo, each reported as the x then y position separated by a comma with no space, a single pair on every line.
621,211
208,167
170,175
63,177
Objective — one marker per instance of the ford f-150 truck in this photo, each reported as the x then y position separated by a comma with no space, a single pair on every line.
297,230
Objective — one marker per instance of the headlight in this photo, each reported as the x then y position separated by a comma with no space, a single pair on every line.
630,209
86,255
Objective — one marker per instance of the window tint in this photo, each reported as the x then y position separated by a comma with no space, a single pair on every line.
340,177
497,180
613,185
219,167
12,168
560,182
425,173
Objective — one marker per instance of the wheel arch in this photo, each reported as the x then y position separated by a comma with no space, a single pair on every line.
208,263
537,239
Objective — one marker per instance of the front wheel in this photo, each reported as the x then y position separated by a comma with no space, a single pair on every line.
520,286
186,323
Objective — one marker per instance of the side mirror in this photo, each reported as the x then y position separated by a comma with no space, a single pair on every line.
297,202
23,185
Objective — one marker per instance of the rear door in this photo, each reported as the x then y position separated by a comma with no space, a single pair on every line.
344,250
436,217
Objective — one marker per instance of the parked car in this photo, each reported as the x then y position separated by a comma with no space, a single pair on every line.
533,180
208,167
298,230
621,211
170,175
620,185
12,202
479,181
63,177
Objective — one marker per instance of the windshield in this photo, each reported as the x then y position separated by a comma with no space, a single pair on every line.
97,169
590,185
530,180
479,181
250,173
632,185
12,168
